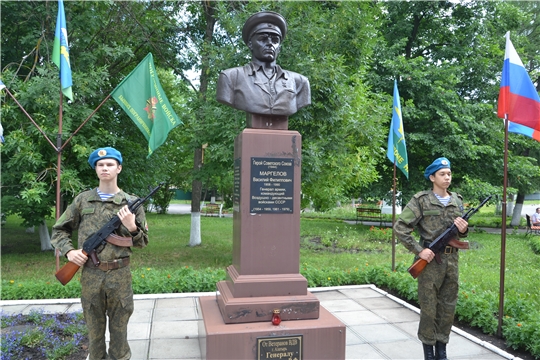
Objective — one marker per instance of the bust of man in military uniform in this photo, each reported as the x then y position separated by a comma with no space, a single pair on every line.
262,87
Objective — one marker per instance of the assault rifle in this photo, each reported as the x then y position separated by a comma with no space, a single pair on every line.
66,273
447,237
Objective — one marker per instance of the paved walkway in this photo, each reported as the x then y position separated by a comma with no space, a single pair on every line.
379,325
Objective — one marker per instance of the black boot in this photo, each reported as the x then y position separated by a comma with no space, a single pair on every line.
440,351
428,352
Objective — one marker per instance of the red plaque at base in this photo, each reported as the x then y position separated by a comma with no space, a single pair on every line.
323,338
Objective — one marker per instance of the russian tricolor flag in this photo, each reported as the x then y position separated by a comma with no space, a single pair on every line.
518,98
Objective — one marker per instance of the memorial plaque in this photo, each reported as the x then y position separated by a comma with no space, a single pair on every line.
283,348
271,185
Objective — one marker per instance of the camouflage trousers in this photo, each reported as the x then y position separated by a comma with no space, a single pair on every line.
107,294
437,294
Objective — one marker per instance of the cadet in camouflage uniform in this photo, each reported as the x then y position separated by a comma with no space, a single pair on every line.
430,213
106,290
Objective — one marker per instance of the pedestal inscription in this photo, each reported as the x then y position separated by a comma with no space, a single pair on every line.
272,181
280,347
236,184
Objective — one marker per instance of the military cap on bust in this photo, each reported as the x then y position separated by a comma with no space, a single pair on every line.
104,153
438,164
264,21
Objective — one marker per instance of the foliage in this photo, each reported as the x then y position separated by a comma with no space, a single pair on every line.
162,198
29,161
447,57
53,336
183,279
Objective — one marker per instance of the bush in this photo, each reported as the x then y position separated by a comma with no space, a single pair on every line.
162,198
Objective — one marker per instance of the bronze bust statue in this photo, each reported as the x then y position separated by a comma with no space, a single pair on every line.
262,87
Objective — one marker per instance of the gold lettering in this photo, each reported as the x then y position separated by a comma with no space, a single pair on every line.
169,114
399,158
133,112
125,102
139,120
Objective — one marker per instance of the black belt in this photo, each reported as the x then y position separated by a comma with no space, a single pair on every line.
108,265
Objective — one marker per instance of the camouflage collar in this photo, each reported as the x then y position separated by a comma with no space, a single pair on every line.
118,198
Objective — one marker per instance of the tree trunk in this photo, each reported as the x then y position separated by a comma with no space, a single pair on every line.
196,185
45,237
196,189
195,233
516,217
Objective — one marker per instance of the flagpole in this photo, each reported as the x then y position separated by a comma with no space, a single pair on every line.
394,218
84,122
503,231
29,117
58,168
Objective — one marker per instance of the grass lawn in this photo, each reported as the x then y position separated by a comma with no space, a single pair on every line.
325,243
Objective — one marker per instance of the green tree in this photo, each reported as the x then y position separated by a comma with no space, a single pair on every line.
448,57
104,48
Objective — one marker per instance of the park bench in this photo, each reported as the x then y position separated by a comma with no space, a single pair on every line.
211,209
531,229
364,213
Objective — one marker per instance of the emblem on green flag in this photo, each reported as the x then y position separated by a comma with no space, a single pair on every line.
141,96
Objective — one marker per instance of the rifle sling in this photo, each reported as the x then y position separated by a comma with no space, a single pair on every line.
462,245
120,240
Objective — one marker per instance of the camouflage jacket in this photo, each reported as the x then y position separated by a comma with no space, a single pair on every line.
429,217
87,214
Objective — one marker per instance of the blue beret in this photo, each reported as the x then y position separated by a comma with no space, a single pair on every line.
104,153
438,164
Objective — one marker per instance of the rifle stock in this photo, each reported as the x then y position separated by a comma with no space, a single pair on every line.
416,268
67,272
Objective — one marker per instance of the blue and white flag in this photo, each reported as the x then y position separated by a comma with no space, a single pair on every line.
397,150
60,55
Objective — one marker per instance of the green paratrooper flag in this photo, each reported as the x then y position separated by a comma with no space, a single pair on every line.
141,96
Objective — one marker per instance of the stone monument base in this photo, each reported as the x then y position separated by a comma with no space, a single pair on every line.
259,308
322,338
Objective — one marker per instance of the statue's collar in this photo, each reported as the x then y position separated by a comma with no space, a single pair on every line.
255,65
